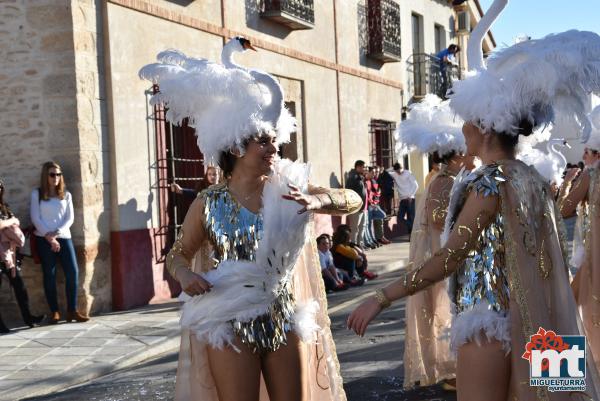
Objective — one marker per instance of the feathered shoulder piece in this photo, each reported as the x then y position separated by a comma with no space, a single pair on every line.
431,126
226,103
533,80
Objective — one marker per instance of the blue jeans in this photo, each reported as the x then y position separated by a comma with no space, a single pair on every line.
68,262
406,213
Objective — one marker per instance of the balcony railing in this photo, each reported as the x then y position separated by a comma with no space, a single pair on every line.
383,21
425,75
295,14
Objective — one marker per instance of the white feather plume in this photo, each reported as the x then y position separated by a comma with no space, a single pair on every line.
532,80
431,126
244,290
225,104
550,164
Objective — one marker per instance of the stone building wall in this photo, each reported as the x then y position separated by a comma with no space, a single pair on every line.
40,116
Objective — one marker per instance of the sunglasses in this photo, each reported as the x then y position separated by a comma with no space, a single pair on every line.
54,175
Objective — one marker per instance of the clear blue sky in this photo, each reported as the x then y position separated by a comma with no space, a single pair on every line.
537,18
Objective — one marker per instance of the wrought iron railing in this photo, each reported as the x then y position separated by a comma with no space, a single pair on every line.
427,75
176,160
299,10
383,21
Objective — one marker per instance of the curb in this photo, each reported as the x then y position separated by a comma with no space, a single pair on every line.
79,376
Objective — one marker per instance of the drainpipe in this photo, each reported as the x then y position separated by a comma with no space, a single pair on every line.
337,87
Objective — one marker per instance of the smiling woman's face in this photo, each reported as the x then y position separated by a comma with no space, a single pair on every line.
260,154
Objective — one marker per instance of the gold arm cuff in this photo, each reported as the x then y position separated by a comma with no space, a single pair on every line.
343,201
382,300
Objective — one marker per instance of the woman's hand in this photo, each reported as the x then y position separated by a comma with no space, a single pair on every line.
192,283
175,188
310,202
361,317
54,245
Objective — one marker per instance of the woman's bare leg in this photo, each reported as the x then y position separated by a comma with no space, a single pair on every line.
284,372
236,374
483,372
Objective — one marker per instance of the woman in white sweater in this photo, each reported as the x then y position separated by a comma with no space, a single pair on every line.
52,216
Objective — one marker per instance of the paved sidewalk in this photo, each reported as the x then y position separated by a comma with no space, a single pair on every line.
50,358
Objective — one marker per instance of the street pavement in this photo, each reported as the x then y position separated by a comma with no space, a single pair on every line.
51,358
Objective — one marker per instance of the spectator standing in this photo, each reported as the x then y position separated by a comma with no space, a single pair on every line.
211,177
368,237
407,186
446,57
376,214
11,267
52,215
386,185
357,221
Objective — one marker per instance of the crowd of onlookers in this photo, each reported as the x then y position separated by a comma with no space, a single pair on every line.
376,186
342,255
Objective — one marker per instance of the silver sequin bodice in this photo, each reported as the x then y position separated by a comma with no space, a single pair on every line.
234,231
482,276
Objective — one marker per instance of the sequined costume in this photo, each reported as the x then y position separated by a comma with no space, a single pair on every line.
427,356
479,287
235,232
534,267
220,231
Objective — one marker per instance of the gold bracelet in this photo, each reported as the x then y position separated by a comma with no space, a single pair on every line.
382,300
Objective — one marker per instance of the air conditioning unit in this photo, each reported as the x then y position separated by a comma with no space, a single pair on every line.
464,22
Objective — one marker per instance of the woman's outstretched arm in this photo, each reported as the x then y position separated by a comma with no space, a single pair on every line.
478,212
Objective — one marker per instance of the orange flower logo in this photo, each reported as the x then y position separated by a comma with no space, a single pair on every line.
542,341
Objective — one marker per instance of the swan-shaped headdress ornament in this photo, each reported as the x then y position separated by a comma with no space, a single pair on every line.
431,126
533,80
226,103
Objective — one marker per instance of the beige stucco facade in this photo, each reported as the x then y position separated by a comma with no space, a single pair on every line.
68,72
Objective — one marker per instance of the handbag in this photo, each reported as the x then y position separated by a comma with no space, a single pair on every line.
33,249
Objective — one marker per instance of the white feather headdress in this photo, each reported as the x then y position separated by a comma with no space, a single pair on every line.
226,103
431,126
532,80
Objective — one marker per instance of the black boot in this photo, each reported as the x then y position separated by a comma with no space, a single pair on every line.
23,300
32,320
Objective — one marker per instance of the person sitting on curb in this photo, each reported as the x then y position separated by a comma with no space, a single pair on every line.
331,277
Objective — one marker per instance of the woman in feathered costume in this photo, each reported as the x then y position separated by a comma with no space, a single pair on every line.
582,195
431,127
509,273
255,322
